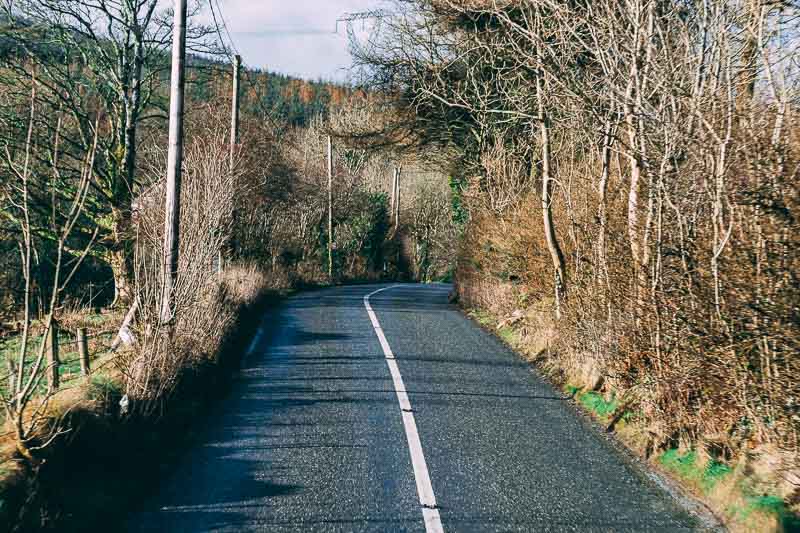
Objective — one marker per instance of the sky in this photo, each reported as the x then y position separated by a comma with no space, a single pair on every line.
295,37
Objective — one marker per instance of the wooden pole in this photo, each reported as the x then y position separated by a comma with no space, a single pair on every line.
237,70
330,209
396,214
394,192
174,161
53,361
397,200
83,352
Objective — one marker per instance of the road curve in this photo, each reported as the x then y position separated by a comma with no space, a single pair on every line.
315,435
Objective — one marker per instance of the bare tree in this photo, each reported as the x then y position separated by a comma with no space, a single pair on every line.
660,133
163,350
116,53
24,398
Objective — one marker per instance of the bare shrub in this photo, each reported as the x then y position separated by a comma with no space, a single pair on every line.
163,350
31,378
287,229
433,233
664,138
505,180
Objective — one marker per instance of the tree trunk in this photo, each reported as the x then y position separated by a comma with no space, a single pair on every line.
121,254
749,59
637,254
120,257
553,246
602,215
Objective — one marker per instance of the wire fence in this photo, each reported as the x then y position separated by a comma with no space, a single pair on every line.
69,360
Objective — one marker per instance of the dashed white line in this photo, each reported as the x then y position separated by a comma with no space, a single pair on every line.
430,512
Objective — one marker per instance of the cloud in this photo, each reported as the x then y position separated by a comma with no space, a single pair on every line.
292,36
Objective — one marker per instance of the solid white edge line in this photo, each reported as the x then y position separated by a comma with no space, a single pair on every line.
430,513
253,344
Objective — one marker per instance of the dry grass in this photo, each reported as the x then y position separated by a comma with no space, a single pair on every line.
749,492
94,400
244,283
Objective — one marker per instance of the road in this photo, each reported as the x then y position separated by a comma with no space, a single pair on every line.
437,426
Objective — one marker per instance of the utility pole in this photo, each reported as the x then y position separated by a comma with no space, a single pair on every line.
394,193
174,161
237,69
399,171
330,209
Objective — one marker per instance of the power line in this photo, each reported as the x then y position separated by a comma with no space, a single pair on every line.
287,30
363,16
224,26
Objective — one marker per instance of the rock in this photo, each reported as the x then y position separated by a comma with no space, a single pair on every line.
515,317
124,405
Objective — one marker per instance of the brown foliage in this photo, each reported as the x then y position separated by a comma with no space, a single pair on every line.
725,377
669,131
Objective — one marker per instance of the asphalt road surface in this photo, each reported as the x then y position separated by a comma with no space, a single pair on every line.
396,413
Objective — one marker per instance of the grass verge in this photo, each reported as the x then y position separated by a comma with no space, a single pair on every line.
734,492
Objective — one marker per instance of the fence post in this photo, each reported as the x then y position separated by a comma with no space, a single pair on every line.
83,352
53,362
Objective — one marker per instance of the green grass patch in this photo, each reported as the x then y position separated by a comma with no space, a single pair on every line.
70,367
96,319
9,347
714,472
766,503
686,466
682,464
597,404
509,336
770,505
102,388
482,317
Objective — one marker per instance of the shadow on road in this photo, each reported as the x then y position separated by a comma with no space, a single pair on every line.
312,437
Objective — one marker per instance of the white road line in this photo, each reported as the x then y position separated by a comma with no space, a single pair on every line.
253,345
430,513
